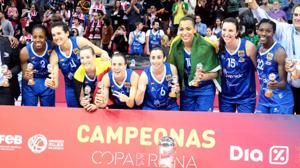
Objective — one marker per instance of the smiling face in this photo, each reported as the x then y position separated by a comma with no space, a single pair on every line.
59,35
39,38
157,59
87,59
229,32
118,66
296,18
265,32
186,31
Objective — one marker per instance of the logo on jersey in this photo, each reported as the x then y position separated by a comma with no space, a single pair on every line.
269,56
127,85
168,77
33,57
241,53
49,52
76,51
241,59
62,60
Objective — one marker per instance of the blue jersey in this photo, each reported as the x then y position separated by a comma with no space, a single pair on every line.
204,88
157,92
238,76
39,62
266,64
136,46
69,63
123,88
154,39
38,92
91,83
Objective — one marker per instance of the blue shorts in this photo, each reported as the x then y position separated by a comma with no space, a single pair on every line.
282,109
246,107
197,103
32,94
70,97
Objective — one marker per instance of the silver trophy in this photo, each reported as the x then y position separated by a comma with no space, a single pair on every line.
196,81
51,74
30,67
167,152
173,89
4,69
269,92
100,91
87,92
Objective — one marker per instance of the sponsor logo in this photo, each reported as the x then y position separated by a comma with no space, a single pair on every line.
39,143
278,155
10,142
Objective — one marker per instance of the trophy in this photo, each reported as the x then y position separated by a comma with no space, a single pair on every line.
292,68
30,67
101,91
173,89
196,81
269,92
167,152
5,79
50,71
87,92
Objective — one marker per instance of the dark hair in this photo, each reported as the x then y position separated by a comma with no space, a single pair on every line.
235,22
39,26
60,24
188,17
118,54
87,47
273,24
159,49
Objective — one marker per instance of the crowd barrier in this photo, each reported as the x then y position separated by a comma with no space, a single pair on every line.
73,138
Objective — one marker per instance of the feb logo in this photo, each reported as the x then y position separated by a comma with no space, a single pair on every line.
37,143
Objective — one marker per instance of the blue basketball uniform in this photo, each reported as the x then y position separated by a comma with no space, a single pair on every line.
157,92
31,94
123,88
136,46
154,39
92,83
282,101
196,98
237,81
68,65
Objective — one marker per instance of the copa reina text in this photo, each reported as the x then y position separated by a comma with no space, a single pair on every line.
147,136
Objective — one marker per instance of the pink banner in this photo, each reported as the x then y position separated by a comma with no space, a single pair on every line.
64,137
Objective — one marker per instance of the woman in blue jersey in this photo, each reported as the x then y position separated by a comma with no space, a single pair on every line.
66,57
187,52
86,76
238,60
37,53
120,84
275,95
155,84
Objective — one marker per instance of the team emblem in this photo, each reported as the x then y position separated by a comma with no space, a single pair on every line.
76,50
241,59
127,85
241,53
168,77
61,60
269,56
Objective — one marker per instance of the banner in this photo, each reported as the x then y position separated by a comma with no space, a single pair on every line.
73,138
